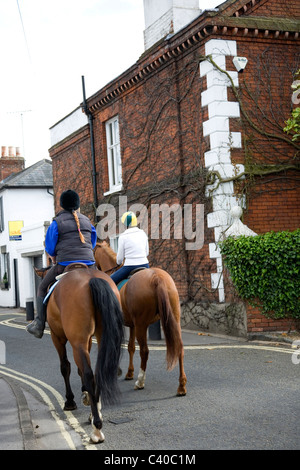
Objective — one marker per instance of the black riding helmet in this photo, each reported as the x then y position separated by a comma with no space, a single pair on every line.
69,200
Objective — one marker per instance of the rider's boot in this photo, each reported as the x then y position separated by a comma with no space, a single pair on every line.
37,326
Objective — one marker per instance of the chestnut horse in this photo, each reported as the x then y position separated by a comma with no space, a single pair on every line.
86,302
149,295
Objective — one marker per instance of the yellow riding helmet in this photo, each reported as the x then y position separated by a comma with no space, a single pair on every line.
129,219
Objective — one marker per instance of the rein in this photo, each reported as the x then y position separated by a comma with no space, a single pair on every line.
111,269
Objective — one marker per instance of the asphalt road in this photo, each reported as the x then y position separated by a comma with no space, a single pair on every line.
240,395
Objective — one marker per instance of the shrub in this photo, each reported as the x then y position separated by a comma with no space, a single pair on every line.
265,270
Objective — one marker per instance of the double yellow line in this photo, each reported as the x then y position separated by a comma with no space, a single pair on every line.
40,388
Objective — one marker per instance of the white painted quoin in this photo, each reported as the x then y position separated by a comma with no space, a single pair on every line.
222,140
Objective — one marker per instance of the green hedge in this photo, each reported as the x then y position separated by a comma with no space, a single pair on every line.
265,271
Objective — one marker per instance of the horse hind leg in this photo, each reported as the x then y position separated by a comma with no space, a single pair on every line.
66,371
131,351
88,384
181,391
141,335
65,368
85,399
97,434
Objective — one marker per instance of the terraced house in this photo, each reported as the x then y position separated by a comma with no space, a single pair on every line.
197,122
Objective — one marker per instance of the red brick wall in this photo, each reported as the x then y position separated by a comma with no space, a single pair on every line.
258,323
277,8
72,169
272,199
160,123
162,150
9,165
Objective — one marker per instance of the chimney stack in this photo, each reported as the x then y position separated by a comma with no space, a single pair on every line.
163,17
10,162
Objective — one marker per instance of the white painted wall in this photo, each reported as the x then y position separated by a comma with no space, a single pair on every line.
32,243
71,123
34,207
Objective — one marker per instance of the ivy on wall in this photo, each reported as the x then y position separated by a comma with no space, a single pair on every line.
265,271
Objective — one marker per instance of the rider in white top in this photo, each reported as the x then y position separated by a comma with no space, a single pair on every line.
133,247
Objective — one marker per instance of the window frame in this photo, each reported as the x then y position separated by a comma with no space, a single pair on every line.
114,160
1,215
4,268
114,243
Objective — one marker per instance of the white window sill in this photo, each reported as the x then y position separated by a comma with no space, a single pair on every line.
113,190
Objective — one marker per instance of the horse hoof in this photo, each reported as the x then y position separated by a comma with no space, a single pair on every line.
70,406
181,392
97,436
128,377
139,387
140,383
85,399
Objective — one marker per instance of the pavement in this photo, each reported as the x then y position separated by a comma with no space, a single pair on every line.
26,425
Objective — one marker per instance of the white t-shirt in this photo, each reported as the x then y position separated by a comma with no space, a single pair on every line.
133,246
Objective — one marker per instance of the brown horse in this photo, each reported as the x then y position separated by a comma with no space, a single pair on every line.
84,303
148,296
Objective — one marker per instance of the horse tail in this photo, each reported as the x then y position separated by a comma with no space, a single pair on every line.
108,311
170,326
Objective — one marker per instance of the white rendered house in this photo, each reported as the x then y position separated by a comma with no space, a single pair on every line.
26,210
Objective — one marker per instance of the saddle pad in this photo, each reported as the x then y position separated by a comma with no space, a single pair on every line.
122,283
49,293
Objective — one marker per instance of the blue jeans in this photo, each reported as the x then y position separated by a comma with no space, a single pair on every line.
124,272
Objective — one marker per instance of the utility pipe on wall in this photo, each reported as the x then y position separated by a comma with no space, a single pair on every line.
90,119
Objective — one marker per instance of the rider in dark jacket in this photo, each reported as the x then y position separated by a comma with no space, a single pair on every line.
70,238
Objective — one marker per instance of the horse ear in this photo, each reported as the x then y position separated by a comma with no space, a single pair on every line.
38,272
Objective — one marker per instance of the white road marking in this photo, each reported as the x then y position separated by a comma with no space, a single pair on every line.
186,347
69,415
29,380
46,399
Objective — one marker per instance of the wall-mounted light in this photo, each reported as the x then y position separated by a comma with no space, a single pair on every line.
240,63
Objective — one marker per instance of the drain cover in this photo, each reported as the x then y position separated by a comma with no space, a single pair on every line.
120,420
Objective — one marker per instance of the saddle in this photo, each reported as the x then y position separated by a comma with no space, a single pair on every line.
68,269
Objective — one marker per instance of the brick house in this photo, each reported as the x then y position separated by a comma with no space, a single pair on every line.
182,127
